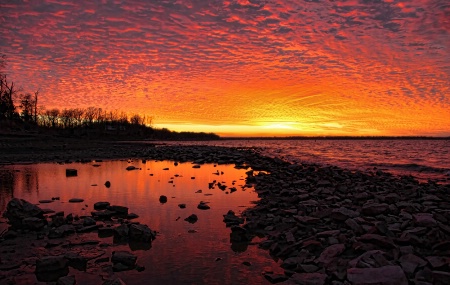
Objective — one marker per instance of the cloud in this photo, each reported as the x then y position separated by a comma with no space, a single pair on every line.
245,58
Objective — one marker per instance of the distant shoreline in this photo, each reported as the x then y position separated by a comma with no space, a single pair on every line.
339,138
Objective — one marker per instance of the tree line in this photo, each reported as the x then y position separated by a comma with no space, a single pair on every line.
21,110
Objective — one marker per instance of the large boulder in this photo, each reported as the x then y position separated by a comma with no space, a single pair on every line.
51,268
18,209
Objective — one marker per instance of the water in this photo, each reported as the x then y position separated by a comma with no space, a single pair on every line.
182,253
423,159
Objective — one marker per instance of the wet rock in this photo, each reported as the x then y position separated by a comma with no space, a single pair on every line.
19,209
71,172
88,221
66,280
203,206
182,206
231,219
76,200
119,210
33,223
124,257
192,219
101,205
46,201
61,231
378,240
48,264
239,234
386,275
107,184
163,199
121,233
141,233
103,215
76,261
354,226
370,259
10,234
131,167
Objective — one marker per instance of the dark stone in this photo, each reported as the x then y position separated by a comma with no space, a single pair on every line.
182,206
203,206
76,261
163,199
192,219
19,209
107,184
101,205
34,224
76,200
386,275
66,280
124,257
142,233
121,233
71,172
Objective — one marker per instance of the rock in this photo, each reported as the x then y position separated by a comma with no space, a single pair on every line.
61,231
372,258
124,257
119,210
330,253
66,280
76,261
354,226
239,234
424,220
131,167
88,221
231,219
203,206
374,209
71,172
440,277
101,205
308,279
10,234
386,275
142,233
121,233
19,209
192,219
342,214
107,184
378,240
76,200
33,223
410,262
182,206
51,263
275,278
46,201
163,199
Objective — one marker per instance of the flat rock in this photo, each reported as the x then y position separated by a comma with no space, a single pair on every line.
386,275
76,200
124,257
342,214
101,205
374,209
424,220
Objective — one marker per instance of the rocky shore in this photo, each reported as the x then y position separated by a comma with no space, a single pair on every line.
326,225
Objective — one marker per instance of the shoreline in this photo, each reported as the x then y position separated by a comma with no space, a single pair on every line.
325,223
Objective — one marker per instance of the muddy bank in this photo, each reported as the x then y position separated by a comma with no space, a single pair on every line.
326,225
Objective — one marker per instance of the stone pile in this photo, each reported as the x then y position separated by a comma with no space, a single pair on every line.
56,230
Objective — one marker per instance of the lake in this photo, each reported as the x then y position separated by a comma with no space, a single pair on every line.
182,253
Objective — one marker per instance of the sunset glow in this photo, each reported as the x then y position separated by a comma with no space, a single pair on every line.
240,67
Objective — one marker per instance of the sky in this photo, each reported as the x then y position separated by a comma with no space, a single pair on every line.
240,67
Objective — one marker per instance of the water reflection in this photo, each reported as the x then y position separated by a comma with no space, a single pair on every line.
183,252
